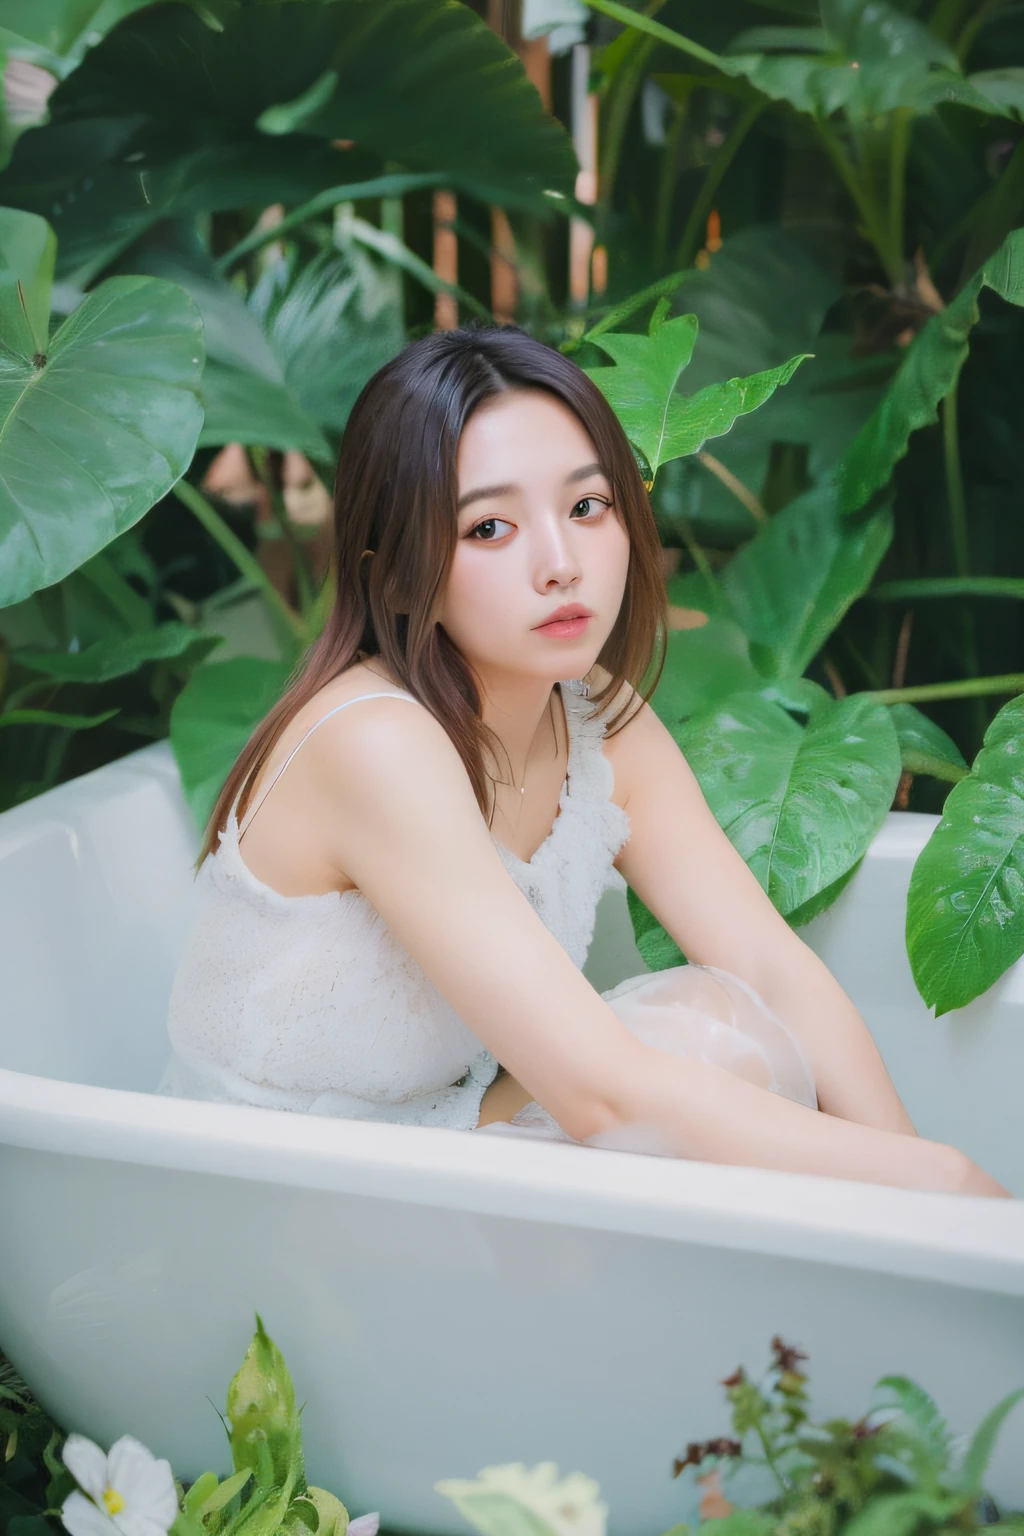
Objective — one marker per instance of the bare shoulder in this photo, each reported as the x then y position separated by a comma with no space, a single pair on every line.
635,729
386,730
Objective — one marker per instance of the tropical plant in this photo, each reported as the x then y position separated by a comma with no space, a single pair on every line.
157,137
873,479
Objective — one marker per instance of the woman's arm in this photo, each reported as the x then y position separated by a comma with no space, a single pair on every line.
686,871
399,818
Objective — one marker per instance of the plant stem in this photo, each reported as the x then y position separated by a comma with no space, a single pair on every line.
378,186
697,554
948,586
955,484
260,457
770,1459
620,104
397,252
642,23
744,495
874,225
241,557
667,174
966,688
899,143
692,235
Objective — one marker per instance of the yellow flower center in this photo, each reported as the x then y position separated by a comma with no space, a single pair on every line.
113,1503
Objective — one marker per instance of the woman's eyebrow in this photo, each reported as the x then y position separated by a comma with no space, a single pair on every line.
485,491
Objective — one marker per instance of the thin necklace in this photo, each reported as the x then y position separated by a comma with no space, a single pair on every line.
522,787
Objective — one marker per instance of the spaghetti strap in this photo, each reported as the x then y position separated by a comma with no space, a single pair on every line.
315,726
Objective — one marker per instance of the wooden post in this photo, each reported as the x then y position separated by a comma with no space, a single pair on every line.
446,260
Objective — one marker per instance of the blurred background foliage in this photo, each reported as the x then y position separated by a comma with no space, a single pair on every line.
219,217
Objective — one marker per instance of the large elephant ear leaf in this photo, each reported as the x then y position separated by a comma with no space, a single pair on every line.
800,803
965,908
212,719
641,389
98,424
790,585
28,249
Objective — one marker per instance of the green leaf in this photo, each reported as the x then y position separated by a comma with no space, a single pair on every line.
244,392
712,411
921,1413
28,249
98,430
118,656
331,1513
205,1484
223,1505
213,717
330,324
790,585
266,1438
703,666
658,949
925,747
161,119
825,898
965,907
641,389
1004,88
925,377
869,60
51,717
900,1514
800,804
740,1522
979,1452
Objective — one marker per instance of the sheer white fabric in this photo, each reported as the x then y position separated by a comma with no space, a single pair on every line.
308,1003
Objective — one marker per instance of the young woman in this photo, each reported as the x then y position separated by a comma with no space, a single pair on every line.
402,871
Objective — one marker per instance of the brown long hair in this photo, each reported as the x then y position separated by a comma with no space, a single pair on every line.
396,493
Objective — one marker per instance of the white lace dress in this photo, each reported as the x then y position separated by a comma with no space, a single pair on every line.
308,1003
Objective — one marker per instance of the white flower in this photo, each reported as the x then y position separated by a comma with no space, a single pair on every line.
365,1525
568,1508
128,1493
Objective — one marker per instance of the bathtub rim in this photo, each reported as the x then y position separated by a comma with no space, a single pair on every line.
960,1240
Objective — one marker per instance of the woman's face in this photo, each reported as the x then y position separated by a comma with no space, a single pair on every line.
537,532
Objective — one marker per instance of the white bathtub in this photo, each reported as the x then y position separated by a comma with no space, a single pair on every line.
447,1301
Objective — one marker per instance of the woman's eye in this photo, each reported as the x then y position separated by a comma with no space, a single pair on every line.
485,530
591,502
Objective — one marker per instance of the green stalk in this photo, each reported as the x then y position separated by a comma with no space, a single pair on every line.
967,688
667,175
697,555
241,557
641,23
770,1459
261,460
397,252
620,105
323,202
899,144
692,236
948,586
874,224
955,484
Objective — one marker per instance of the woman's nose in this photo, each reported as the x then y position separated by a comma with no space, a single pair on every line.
557,561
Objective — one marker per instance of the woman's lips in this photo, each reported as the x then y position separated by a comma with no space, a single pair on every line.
564,629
